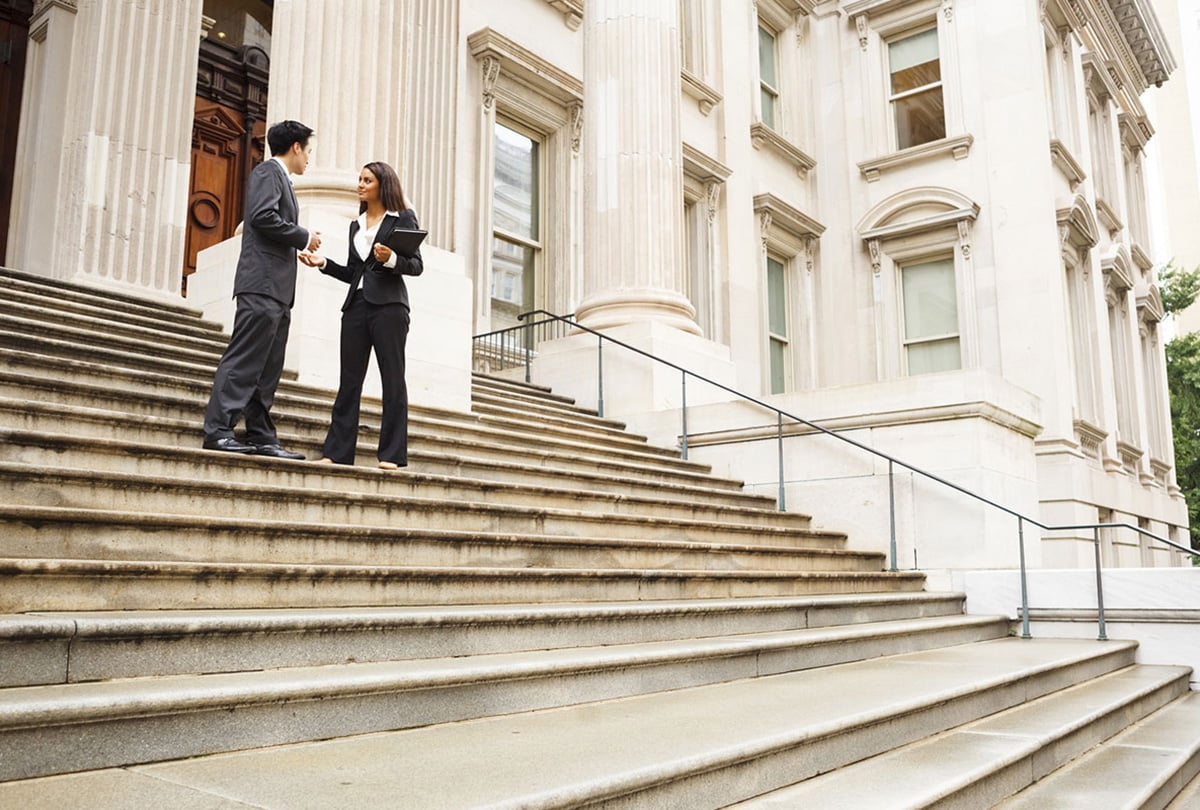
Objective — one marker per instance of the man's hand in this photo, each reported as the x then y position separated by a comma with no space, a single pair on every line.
314,241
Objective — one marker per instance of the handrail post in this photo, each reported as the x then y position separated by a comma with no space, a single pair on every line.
1024,581
892,509
599,376
1099,586
684,375
528,349
779,433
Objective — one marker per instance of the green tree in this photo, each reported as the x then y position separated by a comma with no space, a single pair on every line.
1179,289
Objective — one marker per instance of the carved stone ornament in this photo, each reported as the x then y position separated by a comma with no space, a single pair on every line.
964,238
764,227
712,194
876,258
860,22
810,250
801,26
576,110
490,68
948,10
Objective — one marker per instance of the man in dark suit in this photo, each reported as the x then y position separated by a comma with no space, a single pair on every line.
265,288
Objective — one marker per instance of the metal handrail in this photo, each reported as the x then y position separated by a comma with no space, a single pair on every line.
1022,519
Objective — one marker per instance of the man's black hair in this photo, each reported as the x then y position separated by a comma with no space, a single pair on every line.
281,136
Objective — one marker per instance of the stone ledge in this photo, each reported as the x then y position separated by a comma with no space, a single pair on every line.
959,147
762,136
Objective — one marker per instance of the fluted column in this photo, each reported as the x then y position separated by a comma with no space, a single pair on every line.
101,183
339,68
633,180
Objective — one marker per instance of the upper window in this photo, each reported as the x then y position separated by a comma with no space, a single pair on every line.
930,317
516,214
768,71
916,89
777,323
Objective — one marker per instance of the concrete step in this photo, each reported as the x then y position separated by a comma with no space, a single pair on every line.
520,388
406,504
1144,766
457,436
82,332
519,395
497,408
101,584
696,748
14,281
984,762
47,533
59,728
100,458
75,647
1188,798
496,480
103,321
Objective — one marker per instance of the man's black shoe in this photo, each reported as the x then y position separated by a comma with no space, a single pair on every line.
228,444
275,451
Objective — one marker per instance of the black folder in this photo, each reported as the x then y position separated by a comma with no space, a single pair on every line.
405,241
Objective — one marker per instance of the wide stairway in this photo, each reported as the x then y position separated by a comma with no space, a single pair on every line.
541,611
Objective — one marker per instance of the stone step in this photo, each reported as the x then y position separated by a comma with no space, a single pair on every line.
1144,766
499,480
1188,798
53,289
100,584
59,728
83,334
515,395
489,406
76,647
49,533
981,763
103,320
458,436
406,503
696,748
104,456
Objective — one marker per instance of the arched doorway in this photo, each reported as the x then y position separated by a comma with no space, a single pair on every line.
229,127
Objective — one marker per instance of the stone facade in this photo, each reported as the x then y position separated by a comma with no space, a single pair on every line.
923,223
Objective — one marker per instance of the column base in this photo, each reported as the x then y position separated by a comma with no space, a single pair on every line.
627,307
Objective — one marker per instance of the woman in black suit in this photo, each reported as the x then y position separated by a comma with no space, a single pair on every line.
375,316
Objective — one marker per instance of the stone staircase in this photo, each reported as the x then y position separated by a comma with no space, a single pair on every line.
543,610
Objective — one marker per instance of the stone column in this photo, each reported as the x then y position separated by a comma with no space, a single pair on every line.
633,180
101,185
373,78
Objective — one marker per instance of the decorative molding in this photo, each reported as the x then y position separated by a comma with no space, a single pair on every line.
1130,455
1097,78
712,199
1090,438
490,72
964,238
782,14
575,109
810,252
1118,270
860,22
705,95
1066,163
786,217
884,220
876,255
1140,257
523,66
1150,305
959,147
1077,226
701,167
761,135
1135,131
764,227
948,10
572,11
1108,218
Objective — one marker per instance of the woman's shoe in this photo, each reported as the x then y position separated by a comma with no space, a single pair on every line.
388,465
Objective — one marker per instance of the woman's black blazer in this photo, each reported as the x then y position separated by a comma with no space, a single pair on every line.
380,285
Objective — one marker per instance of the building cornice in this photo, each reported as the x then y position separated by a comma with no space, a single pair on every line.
525,66
787,217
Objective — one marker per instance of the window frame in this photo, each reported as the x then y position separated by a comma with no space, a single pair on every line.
892,98
537,245
917,260
764,88
783,339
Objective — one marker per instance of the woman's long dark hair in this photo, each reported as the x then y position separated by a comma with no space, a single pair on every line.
390,192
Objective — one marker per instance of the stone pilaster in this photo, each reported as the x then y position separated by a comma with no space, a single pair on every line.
633,181
105,143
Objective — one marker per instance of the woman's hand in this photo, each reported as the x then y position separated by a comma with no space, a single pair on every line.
382,253
311,259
